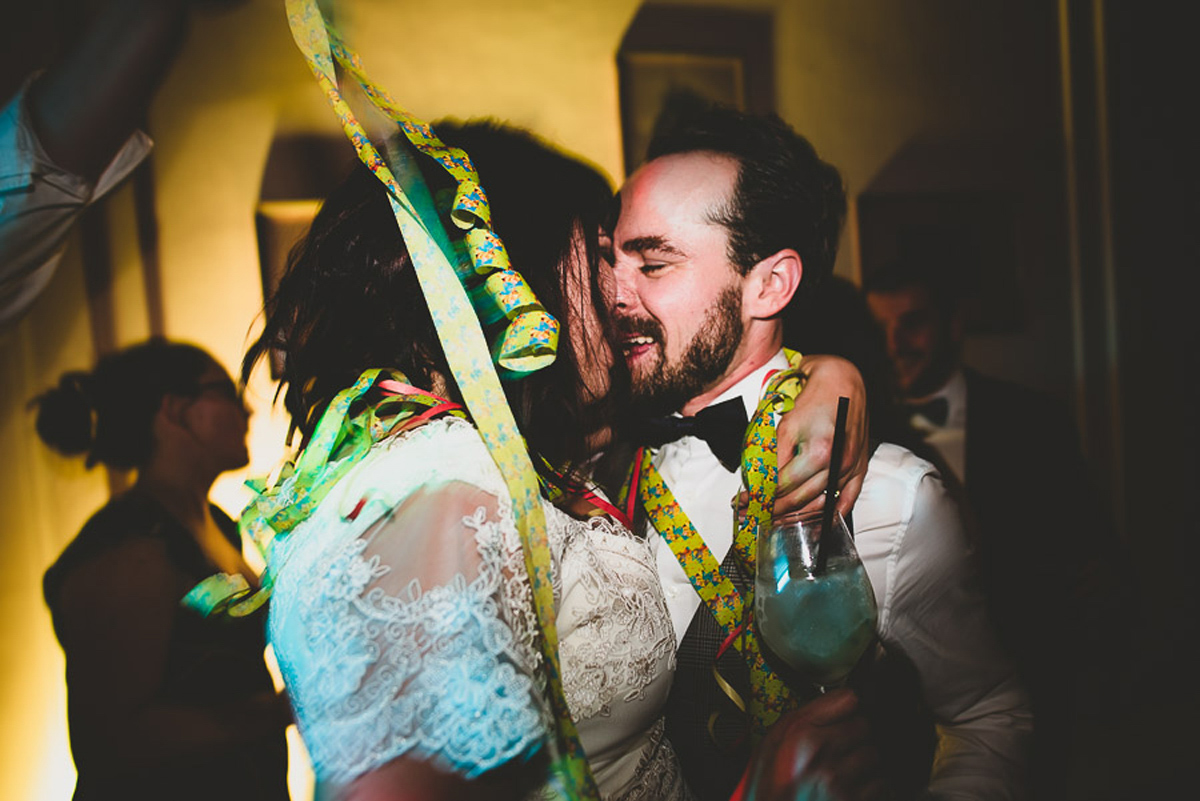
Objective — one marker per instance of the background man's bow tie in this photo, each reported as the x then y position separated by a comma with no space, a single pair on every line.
935,410
722,426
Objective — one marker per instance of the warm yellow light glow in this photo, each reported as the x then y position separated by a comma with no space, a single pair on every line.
300,775
289,210
845,78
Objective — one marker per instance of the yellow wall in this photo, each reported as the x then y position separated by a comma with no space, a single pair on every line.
860,78
238,82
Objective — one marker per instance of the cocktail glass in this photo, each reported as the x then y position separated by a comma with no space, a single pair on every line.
814,610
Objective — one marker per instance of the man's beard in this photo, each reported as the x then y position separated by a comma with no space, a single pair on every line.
665,388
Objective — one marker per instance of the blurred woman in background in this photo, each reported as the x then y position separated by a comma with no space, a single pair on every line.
162,702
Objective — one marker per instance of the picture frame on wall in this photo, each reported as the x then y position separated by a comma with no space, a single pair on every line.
675,54
302,167
654,80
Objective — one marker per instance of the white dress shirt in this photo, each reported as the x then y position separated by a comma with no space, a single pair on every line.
39,203
950,438
705,491
910,536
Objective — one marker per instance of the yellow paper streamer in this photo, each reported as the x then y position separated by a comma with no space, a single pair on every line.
463,341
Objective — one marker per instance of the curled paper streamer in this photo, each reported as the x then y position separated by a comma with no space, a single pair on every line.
438,268
339,442
760,468
521,347
224,594
770,697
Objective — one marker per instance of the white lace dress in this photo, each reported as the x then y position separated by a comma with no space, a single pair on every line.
406,627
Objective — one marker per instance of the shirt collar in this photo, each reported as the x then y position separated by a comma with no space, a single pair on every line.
751,386
955,393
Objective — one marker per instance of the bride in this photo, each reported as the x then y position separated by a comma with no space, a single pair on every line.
402,613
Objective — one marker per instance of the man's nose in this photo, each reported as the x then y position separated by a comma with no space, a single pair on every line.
625,295
894,338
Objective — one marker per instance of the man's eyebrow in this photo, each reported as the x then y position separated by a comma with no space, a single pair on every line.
643,244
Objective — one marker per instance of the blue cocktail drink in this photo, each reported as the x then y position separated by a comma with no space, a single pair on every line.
819,625
815,611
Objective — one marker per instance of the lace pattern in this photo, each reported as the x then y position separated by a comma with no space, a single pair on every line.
658,775
389,674
424,642
621,643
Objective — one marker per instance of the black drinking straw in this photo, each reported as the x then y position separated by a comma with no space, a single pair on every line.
835,469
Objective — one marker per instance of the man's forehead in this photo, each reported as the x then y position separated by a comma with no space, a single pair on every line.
900,299
680,186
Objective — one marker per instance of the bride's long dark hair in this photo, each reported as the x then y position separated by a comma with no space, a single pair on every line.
350,300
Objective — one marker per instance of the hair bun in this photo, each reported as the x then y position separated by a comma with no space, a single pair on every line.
65,419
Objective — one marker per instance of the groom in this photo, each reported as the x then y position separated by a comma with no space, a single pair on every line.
730,218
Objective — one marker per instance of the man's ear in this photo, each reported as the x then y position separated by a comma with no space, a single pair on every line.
771,284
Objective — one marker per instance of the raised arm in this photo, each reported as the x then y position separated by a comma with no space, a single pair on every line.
85,107
73,135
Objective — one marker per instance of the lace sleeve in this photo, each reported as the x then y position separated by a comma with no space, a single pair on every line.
397,641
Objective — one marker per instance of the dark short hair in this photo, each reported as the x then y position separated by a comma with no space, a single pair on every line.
108,412
350,299
911,272
785,195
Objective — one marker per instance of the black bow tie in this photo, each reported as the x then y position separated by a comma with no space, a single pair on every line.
722,426
935,410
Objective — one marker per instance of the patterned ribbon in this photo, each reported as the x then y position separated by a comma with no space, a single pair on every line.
583,498
528,342
340,441
769,696
760,467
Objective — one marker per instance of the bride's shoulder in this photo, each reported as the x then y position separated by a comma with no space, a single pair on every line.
441,450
